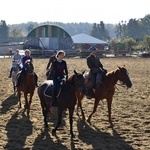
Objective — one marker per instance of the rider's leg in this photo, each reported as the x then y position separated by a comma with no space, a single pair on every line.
10,73
36,79
54,92
98,79
90,86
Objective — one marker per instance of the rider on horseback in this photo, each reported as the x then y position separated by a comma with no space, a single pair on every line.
16,59
59,69
96,71
48,70
24,59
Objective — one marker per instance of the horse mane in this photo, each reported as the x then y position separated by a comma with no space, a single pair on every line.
70,80
109,74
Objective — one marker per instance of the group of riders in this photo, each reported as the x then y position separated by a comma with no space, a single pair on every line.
57,71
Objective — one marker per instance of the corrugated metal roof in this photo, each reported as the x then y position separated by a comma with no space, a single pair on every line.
86,39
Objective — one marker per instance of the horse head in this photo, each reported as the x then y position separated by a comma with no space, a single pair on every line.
29,66
78,81
123,76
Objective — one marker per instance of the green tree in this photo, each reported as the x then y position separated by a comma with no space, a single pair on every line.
4,31
146,42
99,31
130,42
17,33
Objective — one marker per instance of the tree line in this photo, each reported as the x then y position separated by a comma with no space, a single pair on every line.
134,31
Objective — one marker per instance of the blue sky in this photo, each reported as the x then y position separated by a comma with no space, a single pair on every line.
67,11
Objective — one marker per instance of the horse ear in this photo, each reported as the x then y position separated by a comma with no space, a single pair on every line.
75,72
119,67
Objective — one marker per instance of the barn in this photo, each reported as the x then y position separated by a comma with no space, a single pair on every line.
83,42
48,37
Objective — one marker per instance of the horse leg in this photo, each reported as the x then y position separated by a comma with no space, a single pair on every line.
26,101
30,101
109,102
79,104
44,111
58,121
71,110
19,99
94,110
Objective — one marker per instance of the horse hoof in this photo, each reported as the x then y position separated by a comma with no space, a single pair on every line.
46,125
53,130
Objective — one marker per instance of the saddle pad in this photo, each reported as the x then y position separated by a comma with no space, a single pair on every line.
49,89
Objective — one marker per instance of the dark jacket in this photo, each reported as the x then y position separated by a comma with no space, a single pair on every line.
94,63
51,59
59,69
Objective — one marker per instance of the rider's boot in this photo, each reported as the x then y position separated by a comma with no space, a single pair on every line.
10,73
36,80
89,90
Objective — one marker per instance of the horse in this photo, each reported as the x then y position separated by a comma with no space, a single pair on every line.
15,69
65,99
27,86
105,91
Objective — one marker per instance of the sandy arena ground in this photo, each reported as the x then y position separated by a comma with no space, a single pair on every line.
130,113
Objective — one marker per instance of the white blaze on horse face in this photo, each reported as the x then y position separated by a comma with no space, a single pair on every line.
128,76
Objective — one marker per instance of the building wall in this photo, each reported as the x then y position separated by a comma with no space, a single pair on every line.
58,38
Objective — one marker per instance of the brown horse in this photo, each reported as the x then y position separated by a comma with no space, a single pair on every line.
66,98
106,90
27,86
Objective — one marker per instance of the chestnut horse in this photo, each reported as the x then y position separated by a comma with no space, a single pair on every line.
66,98
27,86
106,90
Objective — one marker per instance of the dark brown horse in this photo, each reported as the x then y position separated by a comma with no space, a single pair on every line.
106,90
66,99
27,86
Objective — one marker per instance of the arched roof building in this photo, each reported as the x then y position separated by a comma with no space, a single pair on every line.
48,37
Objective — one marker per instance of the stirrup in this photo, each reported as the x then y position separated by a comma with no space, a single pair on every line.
88,97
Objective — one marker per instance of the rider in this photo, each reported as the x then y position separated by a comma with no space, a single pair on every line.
59,69
51,59
24,59
16,59
96,71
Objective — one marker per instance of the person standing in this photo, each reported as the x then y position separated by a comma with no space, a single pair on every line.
59,69
96,71
24,59
48,70
16,59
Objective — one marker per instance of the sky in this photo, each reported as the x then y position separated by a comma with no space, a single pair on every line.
71,11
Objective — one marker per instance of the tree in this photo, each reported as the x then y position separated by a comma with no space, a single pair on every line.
4,31
146,42
99,31
130,42
17,33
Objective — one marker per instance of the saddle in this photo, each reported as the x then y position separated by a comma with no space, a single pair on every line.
97,78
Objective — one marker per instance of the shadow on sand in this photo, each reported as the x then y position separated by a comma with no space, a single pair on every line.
8,103
18,128
101,140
